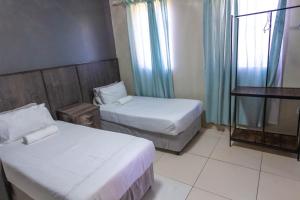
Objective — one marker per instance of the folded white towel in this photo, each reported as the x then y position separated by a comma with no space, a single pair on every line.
125,100
40,134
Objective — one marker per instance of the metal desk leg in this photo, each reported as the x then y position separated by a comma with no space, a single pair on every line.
298,140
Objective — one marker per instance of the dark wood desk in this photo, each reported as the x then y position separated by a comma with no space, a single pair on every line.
261,137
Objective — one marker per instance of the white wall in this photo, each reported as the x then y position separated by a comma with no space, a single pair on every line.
291,74
187,57
118,16
291,71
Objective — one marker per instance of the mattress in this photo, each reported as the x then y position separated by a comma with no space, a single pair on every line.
158,115
77,163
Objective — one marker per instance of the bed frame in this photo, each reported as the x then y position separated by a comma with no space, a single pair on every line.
58,87
135,192
171,143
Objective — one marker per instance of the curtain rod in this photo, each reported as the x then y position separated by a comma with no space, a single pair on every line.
117,3
267,11
125,2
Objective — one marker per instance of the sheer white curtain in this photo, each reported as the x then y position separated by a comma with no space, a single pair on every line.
141,34
254,39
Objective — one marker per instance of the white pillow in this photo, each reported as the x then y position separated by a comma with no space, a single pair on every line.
125,100
113,93
21,122
40,134
98,94
23,107
4,135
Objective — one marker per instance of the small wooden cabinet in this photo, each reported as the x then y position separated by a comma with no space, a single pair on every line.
81,113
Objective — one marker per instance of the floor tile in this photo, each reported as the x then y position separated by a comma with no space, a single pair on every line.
203,144
198,194
184,168
272,187
158,155
228,180
237,155
167,189
281,165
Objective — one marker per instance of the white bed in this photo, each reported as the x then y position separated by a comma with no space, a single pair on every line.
77,163
169,123
158,115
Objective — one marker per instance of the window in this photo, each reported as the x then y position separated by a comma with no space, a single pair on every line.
140,26
254,33
141,32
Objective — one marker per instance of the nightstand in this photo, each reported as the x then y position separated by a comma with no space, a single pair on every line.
81,113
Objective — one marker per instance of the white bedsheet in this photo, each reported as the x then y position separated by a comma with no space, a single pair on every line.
167,116
78,163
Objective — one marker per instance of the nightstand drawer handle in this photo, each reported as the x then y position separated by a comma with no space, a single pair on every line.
87,116
88,123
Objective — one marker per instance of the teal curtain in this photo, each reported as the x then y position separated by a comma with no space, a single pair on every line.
217,41
149,45
276,43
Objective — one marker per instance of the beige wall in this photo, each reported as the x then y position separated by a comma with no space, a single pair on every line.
291,73
118,15
187,55
187,58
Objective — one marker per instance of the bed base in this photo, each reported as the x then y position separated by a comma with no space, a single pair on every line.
136,192
174,144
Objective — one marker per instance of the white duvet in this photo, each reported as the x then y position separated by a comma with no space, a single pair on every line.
167,116
77,163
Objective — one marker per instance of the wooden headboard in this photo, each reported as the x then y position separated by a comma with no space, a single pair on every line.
56,87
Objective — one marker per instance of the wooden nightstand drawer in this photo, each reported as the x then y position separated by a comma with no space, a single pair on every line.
82,114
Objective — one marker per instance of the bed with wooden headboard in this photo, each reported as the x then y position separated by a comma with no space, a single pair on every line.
62,86
56,87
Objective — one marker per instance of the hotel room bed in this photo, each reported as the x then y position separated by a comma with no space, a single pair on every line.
169,123
80,163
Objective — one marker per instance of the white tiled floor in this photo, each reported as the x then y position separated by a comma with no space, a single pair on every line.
211,170
237,155
165,188
281,166
203,144
197,194
272,187
229,180
185,168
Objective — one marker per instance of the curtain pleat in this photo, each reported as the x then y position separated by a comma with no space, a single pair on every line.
149,45
217,41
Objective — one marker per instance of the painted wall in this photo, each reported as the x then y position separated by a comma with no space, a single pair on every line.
291,75
292,61
187,57
119,22
44,33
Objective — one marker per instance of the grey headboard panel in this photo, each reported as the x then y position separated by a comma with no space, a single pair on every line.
57,87
95,75
19,89
62,87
